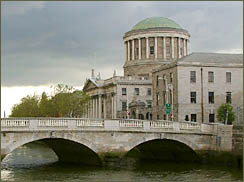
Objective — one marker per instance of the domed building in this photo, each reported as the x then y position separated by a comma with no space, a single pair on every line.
153,42
160,72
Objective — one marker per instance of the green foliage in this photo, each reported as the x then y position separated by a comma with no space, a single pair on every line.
222,113
27,108
66,102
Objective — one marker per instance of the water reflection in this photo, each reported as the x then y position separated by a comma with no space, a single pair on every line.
35,162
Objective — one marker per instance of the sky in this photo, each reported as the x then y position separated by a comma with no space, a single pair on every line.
46,43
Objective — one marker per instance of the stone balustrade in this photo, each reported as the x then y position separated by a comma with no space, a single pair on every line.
89,123
11,124
15,123
53,123
131,124
161,124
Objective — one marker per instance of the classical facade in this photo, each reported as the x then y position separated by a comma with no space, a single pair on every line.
157,70
113,97
197,85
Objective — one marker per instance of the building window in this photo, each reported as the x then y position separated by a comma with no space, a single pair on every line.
228,77
181,51
157,80
149,91
193,118
157,117
211,118
171,77
164,116
137,91
228,97
149,103
151,50
123,91
211,97
193,97
210,77
124,106
193,77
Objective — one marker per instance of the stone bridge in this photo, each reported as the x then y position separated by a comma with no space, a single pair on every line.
90,141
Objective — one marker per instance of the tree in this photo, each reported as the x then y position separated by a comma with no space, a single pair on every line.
222,113
64,103
28,107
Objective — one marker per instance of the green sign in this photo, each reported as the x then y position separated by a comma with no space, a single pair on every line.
168,108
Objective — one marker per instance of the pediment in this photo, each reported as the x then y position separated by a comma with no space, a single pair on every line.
89,85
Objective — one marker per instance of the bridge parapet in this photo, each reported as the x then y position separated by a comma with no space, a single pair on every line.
12,124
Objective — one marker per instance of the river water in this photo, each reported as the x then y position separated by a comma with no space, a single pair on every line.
37,163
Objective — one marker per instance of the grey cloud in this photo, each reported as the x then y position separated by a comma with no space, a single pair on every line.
53,42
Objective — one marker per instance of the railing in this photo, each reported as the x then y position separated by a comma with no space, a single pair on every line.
130,124
53,123
89,123
161,124
190,126
15,123
10,124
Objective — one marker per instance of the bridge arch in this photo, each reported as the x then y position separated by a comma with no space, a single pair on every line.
158,147
69,147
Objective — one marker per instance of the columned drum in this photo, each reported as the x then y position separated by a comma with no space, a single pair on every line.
153,42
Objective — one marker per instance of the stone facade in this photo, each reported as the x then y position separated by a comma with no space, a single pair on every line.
111,97
182,87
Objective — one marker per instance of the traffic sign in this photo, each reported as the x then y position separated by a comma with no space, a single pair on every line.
168,108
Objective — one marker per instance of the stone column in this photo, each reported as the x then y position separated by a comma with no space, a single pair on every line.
115,107
156,47
164,47
179,56
187,47
126,52
139,40
147,48
99,106
184,46
96,108
128,42
172,47
133,49
104,107
93,107
112,107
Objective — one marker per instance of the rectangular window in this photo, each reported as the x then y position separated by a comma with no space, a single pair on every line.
157,117
151,50
124,106
193,77
193,97
210,77
164,116
149,103
193,118
157,80
123,91
228,77
211,97
211,118
228,97
137,91
149,91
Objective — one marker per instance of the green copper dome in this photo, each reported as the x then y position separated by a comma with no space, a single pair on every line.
156,22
